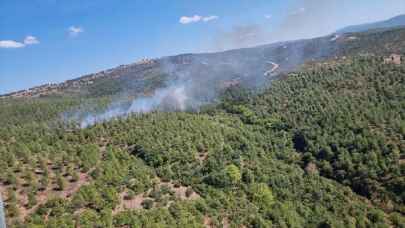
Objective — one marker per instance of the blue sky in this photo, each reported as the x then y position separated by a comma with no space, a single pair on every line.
54,40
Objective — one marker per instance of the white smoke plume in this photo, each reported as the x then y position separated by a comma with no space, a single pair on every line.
194,79
305,19
171,98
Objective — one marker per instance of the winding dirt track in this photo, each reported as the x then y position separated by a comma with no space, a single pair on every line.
274,68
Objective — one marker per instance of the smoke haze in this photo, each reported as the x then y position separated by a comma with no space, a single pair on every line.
302,20
171,98
196,79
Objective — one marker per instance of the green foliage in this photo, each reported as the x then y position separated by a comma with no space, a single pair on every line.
60,182
32,200
232,171
244,158
262,195
346,118
89,156
88,219
147,204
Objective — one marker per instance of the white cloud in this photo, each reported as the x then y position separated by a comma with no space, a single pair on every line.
196,18
210,18
29,40
75,30
268,16
10,44
187,20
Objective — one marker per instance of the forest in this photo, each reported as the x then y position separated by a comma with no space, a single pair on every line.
321,147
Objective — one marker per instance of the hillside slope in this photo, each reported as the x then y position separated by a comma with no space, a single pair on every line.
320,148
398,21
348,121
212,72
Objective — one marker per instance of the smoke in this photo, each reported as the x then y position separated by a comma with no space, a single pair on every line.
311,18
172,98
304,19
190,82
241,36
195,80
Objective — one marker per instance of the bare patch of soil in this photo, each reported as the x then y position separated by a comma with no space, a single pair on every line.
135,203
51,190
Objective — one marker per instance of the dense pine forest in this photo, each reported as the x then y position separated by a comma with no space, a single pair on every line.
322,147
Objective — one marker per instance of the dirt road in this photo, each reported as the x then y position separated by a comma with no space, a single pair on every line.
274,68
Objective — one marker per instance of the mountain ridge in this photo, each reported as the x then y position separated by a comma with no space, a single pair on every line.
397,21
246,65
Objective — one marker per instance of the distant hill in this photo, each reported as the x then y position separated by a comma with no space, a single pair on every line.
398,21
207,73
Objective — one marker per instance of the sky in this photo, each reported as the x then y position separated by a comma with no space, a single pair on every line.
50,41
